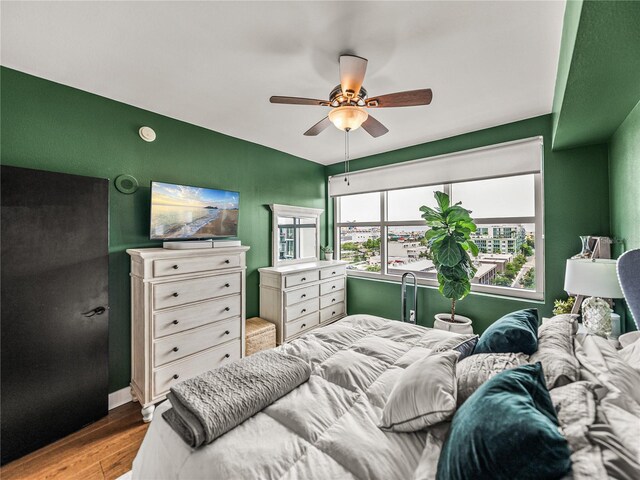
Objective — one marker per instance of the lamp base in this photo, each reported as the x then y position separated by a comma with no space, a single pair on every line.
596,316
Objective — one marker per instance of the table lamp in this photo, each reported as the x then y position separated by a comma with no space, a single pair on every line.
597,279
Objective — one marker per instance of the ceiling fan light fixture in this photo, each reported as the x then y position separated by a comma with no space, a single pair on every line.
348,117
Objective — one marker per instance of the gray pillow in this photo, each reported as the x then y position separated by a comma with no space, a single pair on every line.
555,350
424,395
473,371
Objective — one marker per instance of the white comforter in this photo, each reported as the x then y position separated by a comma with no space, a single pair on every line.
327,427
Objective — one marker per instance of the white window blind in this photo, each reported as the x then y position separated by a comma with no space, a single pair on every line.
505,159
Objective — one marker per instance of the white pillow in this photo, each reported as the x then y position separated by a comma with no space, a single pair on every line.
424,395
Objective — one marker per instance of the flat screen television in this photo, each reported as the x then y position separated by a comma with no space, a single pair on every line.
183,212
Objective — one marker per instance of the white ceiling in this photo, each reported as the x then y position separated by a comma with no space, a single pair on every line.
215,64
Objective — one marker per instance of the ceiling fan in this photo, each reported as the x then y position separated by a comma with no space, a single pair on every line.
349,100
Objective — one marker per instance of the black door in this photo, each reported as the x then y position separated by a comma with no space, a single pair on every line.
54,306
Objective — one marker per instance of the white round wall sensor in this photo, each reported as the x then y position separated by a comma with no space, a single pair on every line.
147,134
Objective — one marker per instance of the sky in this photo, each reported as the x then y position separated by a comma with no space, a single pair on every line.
186,196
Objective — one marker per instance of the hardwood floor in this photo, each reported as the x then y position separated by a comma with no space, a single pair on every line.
103,450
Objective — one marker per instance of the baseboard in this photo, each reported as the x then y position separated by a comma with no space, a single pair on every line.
120,397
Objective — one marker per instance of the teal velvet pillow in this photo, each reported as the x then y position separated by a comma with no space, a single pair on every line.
506,430
516,332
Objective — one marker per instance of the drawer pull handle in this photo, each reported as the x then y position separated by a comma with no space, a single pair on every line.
303,310
333,313
303,325
333,288
176,376
333,300
304,295
226,309
226,355
303,279
227,261
227,332
175,349
175,267
175,322
227,285
175,294
333,273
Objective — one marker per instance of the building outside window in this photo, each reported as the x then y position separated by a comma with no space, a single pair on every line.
382,235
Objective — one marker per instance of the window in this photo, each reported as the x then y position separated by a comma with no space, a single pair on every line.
382,235
405,204
360,246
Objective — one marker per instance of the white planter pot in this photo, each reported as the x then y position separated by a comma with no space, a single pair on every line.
461,325
328,256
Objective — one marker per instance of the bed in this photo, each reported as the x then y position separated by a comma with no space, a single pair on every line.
328,427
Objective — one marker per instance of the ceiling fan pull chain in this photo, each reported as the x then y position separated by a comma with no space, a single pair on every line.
348,160
346,156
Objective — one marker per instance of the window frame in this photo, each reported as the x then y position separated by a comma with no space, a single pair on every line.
384,224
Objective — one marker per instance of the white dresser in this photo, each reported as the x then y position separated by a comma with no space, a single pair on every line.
303,296
187,316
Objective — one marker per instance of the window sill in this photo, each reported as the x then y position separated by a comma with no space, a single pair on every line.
480,290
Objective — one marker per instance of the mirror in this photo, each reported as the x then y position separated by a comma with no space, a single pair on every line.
296,234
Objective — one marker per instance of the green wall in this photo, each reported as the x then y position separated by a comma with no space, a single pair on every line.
576,202
52,127
598,81
624,172
624,187
570,24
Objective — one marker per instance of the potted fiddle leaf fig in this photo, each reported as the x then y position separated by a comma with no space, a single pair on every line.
449,241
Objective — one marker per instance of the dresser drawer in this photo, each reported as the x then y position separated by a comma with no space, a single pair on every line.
332,299
301,278
165,377
300,309
301,294
331,287
332,311
179,319
301,325
175,347
171,294
339,271
180,266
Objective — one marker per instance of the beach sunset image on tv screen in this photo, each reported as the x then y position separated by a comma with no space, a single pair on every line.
181,212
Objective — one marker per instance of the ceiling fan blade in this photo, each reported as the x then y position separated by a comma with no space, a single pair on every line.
373,127
299,101
409,98
318,127
352,70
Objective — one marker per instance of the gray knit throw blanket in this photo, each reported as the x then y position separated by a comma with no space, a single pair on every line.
209,405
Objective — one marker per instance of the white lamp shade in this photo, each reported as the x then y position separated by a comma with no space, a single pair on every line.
348,117
594,278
